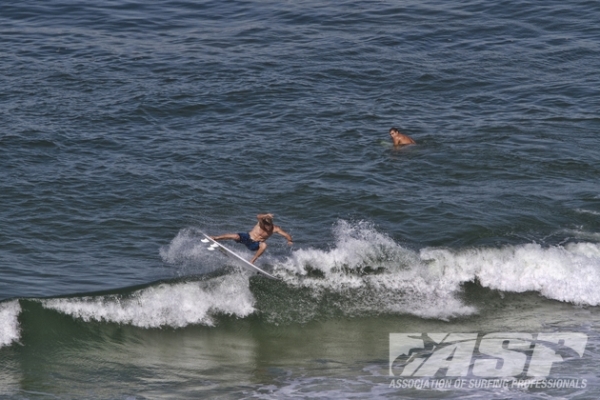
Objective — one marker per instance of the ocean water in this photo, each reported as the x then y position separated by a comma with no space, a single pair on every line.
127,128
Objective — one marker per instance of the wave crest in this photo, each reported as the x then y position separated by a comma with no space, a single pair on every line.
570,273
175,305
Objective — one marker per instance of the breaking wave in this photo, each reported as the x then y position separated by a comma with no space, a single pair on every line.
176,305
363,273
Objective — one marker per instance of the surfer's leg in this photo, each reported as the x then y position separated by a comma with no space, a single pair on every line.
261,249
227,236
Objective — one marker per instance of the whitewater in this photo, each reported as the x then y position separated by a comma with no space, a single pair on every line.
363,273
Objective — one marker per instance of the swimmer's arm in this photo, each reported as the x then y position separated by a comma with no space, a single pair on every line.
283,233
409,140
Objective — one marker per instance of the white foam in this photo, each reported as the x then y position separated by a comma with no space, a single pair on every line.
427,283
175,305
364,272
570,273
10,330
397,282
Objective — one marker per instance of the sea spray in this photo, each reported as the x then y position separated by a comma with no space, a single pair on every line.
368,273
187,253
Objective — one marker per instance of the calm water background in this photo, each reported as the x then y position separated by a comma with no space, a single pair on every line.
125,127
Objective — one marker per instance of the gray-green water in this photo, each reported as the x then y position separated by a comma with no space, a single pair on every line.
126,127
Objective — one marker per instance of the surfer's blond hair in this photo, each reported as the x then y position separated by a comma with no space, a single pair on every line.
266,224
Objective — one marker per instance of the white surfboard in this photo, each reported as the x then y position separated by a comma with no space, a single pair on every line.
213,245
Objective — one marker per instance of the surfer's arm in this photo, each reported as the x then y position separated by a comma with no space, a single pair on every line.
283,233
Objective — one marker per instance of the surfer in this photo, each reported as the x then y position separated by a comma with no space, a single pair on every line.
400,139
255,239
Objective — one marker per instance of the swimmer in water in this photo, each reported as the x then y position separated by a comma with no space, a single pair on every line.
400,139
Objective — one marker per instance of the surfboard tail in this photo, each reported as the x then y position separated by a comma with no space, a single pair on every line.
213,244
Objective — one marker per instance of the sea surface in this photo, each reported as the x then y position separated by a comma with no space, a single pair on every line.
127,128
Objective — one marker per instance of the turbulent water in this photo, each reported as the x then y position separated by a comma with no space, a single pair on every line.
128,128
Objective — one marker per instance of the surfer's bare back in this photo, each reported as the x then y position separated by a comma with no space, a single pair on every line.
256,238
